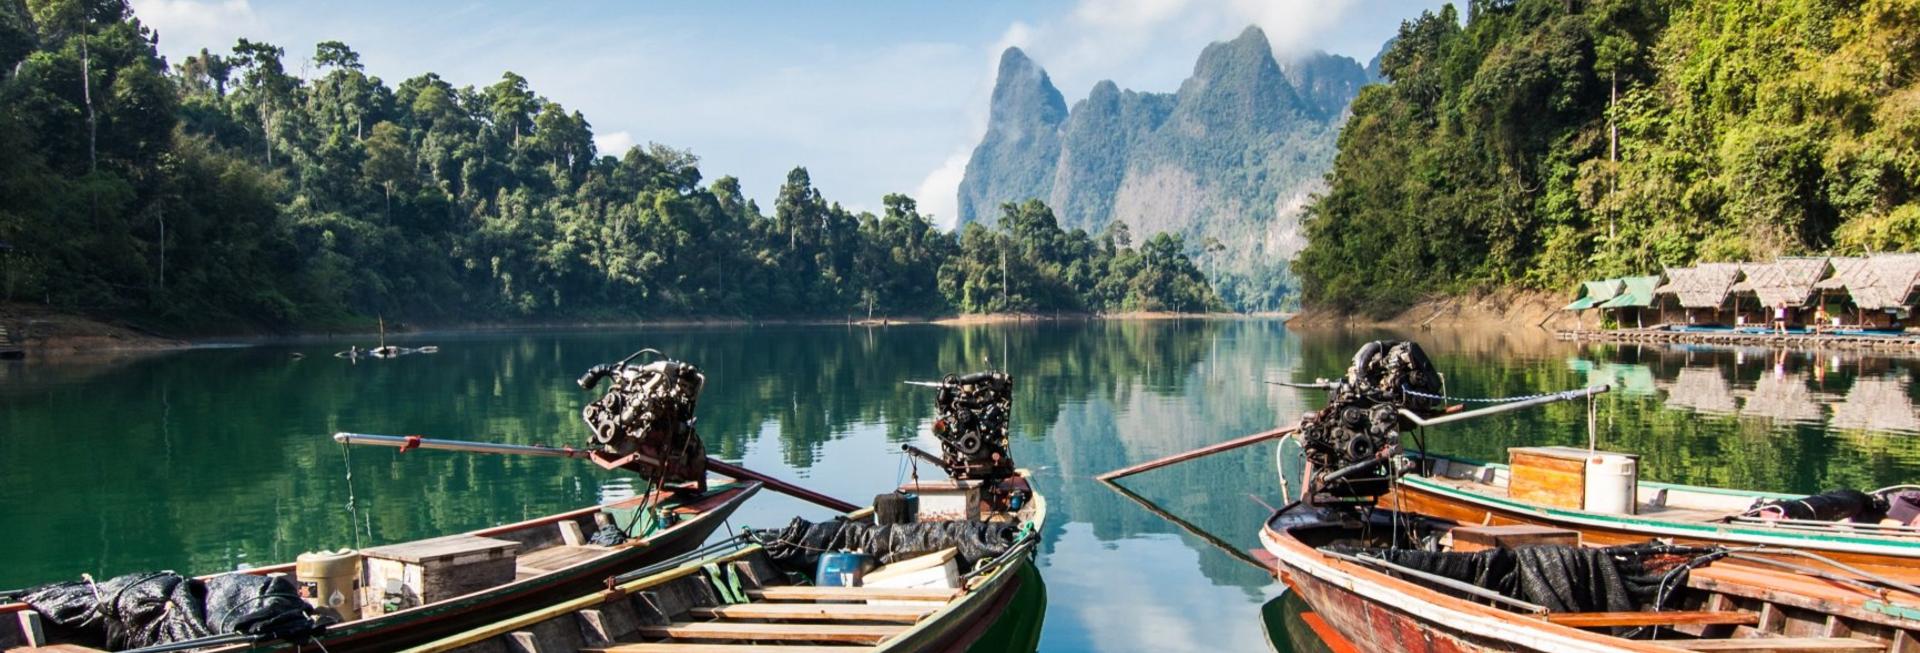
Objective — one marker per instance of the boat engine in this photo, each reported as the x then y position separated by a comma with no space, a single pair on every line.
1349,442
644,420
972,425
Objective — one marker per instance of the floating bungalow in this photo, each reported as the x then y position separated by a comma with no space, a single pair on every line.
1830,297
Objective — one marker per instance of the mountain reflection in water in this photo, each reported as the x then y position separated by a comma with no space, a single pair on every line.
204,459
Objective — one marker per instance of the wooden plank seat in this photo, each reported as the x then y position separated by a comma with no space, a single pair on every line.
677,647
905,614
811,593
1776,645
724,630
1667,618
555,558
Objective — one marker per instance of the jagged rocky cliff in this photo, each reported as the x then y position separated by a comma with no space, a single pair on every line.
1229,158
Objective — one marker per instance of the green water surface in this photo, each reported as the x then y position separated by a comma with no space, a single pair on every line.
207,459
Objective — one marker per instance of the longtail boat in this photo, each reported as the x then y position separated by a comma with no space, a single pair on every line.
730,597
1355,567
550,560
1477,492
1383,567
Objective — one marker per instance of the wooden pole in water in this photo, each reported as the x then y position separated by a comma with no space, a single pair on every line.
405,442
1229,445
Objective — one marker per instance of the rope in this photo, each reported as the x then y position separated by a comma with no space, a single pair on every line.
353,511
1477,400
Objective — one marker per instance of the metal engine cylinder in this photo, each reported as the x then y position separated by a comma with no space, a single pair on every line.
1361,421
972,425
646,418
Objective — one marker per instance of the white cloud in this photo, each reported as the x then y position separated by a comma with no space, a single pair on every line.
212,24
613,143
939,193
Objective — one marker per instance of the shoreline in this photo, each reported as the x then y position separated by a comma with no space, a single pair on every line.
47,333
1505,309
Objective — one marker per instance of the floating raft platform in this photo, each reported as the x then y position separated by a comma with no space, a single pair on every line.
1799,339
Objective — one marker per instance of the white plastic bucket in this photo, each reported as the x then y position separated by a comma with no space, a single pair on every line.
1612,483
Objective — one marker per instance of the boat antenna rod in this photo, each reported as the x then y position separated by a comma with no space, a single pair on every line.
406,442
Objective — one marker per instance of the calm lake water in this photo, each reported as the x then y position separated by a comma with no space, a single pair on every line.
206,459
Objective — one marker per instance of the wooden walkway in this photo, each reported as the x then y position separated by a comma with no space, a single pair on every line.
1792,340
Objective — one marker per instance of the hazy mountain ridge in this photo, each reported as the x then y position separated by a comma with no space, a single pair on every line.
1226,160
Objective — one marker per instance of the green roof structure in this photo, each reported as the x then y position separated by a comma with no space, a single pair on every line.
1635,292
1595,293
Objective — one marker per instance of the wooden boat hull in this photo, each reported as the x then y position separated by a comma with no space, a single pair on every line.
1388,615
1385,607
400,629
1897,558
965,622
675,607
456,615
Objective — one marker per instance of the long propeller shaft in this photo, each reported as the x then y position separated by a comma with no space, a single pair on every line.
406,442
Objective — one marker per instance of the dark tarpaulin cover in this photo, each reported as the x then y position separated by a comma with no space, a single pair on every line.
150,609
798,547
1834,505
1559,578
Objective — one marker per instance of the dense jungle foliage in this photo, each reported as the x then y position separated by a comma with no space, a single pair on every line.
1546,141
225,192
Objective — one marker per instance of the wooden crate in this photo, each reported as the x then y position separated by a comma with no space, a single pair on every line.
946,500
1480,538
435,570
1549,476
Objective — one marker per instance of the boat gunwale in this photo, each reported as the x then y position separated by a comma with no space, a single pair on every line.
938,629
1432,608
730,496
1662,485
1866,544
993,586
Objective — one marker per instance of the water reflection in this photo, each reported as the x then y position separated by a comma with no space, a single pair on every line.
1836,391
1290,625
200,460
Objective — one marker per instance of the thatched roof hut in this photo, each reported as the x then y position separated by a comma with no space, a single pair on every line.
1787,281
1703,286
1874,282
1898,275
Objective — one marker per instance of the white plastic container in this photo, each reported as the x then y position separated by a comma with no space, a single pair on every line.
1613,482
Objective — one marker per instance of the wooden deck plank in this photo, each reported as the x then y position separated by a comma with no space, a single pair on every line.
773,632
1776,645
810,593
678,647
555,558
905,614
1670,618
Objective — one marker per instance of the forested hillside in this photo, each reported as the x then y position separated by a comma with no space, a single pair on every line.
225,192
1546,141
1227,161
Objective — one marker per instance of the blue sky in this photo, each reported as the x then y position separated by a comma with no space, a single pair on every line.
872,98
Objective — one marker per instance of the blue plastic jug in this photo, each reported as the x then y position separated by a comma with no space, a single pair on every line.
841,569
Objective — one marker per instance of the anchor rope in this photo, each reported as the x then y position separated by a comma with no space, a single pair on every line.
353,510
